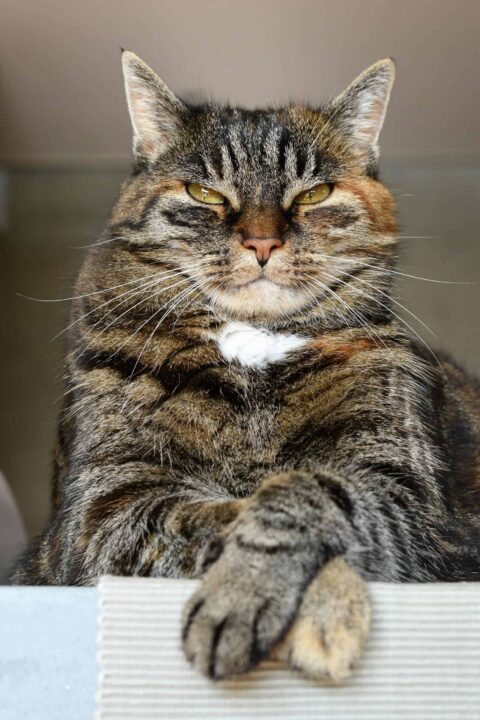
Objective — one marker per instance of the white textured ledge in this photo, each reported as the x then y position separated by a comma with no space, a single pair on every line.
422,661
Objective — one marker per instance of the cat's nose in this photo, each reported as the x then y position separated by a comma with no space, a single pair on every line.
263,247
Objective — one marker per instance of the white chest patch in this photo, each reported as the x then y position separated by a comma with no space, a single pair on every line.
255,347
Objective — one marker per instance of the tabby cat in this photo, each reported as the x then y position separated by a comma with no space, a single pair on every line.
242,401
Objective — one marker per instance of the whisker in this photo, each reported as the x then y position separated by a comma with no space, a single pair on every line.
400,319
183,294
145,322
80,297
145,236
368,328
139,288
363,323
392,272
338,312
102,290
417,237
117,318
129,309
364,282
162,278
306,285
95,244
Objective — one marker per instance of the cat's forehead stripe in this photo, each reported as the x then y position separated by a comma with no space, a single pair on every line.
270,158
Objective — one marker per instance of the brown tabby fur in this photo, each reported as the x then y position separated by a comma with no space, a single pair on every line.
358,450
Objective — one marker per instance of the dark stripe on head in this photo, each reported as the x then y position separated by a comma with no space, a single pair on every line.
282,147
216,158
318,163
198,166
232,156
301,162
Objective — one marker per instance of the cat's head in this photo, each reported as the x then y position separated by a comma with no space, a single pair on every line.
273,214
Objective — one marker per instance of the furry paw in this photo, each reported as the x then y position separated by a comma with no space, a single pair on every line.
328,634
239,612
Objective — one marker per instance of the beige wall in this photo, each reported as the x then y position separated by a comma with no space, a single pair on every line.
61,93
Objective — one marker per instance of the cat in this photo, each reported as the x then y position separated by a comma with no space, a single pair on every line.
242,402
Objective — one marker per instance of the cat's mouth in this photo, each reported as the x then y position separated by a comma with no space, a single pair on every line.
259,296
258,282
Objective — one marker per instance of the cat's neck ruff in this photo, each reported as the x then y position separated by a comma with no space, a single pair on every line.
255,347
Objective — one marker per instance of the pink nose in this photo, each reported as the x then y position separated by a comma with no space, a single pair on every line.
263,247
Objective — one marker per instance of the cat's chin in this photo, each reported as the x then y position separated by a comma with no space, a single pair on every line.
261,298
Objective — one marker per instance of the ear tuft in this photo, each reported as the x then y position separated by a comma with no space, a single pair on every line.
156,113
359,111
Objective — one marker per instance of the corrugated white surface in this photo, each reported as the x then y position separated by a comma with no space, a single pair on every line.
422,661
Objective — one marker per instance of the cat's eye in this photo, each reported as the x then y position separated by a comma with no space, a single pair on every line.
205,195
315,195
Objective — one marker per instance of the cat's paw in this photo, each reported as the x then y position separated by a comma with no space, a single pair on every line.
236,616
332,624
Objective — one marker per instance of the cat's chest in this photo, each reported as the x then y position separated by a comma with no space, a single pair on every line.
229,412
256,348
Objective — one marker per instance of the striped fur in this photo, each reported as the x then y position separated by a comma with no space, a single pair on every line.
176,459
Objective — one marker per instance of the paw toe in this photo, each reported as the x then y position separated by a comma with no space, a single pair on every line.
231,650
324,653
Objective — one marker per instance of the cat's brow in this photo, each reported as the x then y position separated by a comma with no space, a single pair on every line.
199,168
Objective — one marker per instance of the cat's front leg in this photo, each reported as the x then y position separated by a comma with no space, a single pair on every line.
328,634
251,594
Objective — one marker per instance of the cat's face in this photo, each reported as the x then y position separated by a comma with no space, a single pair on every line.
271,213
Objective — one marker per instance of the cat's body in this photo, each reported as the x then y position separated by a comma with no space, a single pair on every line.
256,424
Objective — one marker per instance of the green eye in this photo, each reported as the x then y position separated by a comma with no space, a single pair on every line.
315,195
205,195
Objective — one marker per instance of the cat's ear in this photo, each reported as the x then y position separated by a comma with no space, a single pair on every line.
156,113
359,111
